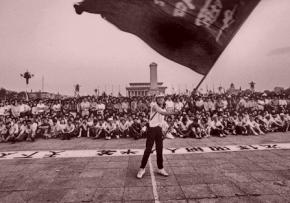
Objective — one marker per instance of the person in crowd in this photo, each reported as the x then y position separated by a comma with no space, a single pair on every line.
135,129
253,128
178,104
94,107
13,130
41,107
43,129
15,109
100,126
85,107
169,104
90,126
2,109
229,123
101,107
217,128
168,128
285,122
272,123
26,132
195,128
125,106
111,130
3,131
123,127
68,131
204,127
54,128
34,127
84,130
56,107
240,126
183,129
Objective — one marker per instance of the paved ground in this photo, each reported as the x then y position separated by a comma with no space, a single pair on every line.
250,176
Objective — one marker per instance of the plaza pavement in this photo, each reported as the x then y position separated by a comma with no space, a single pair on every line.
246,176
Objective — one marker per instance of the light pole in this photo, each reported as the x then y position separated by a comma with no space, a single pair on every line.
27,76
77,90
96,92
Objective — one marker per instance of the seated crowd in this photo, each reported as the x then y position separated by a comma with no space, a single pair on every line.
122,117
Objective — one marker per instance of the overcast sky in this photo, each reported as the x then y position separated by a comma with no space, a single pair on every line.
50,40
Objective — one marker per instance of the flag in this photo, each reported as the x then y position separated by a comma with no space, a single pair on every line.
193,33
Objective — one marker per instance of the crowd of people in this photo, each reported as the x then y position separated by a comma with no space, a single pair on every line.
110,117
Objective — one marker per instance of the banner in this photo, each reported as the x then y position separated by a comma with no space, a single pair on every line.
38,154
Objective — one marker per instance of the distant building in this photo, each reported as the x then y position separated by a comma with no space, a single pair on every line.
145,89
43,95
232,90
279,90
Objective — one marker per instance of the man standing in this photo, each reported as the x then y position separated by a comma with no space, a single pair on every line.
41,107
155,134
100,108
85,107
15,109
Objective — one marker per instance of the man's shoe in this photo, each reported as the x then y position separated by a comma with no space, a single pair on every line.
163,172
140,173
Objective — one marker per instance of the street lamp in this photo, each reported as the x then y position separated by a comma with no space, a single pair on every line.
96,92
27,76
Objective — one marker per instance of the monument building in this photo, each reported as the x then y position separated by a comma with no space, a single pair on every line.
144,88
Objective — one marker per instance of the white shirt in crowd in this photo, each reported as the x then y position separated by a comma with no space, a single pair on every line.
199,103
56,107
225,103
85,106
40,107
282,102
184,126
14,129
21,108
101,108
169,105
2,111
123,126
178,105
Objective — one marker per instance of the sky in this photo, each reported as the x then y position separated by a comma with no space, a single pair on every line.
47,38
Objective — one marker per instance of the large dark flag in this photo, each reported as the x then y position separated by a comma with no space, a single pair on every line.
193,33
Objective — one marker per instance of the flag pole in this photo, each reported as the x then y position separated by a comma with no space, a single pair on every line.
195,89
200,82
